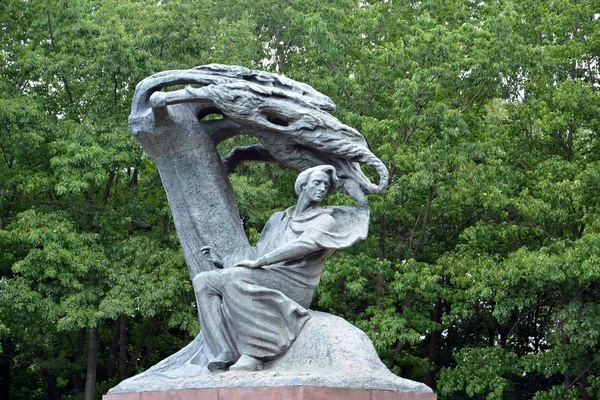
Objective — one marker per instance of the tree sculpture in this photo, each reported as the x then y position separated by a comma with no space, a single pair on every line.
295,130
290,120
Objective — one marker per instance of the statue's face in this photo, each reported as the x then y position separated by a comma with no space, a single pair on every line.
317,186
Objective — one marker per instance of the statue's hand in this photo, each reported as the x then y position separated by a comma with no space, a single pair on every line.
212,256
249,264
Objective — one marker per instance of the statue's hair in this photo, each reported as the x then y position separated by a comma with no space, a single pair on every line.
304,176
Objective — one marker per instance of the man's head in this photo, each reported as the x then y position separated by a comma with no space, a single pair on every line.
311,180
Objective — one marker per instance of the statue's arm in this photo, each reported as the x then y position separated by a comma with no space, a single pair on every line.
292,250
229,260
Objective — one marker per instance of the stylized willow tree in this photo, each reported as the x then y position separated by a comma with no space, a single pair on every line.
289,119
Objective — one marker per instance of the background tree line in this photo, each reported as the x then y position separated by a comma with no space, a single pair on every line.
481,276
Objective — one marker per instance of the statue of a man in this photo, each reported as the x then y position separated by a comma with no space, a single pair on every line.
253,308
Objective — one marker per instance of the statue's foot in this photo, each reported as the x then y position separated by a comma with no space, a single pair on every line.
221,362
247,363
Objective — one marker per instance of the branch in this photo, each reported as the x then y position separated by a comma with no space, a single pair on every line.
223,129
111,178
424,225
254,153
8,163
88,197
584,371
420,102
470,103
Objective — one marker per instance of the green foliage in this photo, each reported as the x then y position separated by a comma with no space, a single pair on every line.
480,371
481,273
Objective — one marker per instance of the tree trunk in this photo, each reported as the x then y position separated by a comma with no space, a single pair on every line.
476,324
109,184
564,337
433,344
193,176
114,349
78,380
123,347
92,365
5,364
148,325
585,381
53,391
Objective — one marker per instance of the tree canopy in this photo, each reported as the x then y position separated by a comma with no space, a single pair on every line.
481,275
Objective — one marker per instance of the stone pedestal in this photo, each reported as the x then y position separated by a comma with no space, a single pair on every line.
329,353
273,393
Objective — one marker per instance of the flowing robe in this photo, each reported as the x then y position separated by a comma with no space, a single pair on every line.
260,311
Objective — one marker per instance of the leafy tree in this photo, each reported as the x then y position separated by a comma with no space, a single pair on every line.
481,274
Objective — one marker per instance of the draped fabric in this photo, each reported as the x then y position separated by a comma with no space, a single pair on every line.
259,312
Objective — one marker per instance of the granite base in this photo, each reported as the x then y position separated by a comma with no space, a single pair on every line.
272,393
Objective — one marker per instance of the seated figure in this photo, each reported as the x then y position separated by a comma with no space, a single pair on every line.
254,305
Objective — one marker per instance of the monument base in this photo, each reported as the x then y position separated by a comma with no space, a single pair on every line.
328,353
272,393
